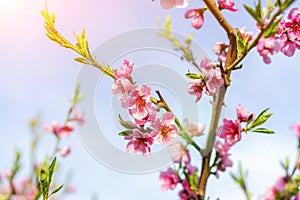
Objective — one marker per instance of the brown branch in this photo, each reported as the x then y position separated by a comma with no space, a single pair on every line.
219,100
212,7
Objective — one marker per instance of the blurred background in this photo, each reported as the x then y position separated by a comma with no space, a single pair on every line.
37,76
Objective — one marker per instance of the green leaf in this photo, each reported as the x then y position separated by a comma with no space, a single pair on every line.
250,11
258,8
262,118
286,4
56,190
242,44
234,177
193,75
256,14
272,29
262,130
285,164
82,60
168,23
44,183
188,40
51,170
126,124
125,133
250,119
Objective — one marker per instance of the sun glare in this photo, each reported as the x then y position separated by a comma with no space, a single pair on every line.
10,6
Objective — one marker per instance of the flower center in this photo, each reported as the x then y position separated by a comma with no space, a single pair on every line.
140,101
164,130
295,27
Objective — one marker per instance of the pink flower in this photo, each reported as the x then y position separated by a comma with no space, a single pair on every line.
139,104
220,49
70,189
179,153
288,48
123,87
191,169
214,81
164,129
210,81
187,193
243,113
222,148
79,117
289,32
151,117
195,87
280,184
267,46
213,76
227,4
8,173
64,151
59,130
292,26
272,192
197,15
225,161
139,142
125,70
296,129
193,129
169,179
230,131
168,4
205,65
245,34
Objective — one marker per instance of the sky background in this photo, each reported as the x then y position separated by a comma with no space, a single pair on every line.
37,76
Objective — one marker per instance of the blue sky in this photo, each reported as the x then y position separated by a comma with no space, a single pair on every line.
37,76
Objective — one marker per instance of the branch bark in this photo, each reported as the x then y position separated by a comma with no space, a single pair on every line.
219,100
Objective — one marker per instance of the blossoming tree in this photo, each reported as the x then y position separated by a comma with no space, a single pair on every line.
276,33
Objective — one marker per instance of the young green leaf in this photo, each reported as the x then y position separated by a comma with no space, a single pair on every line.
193,75
262,130
82,60
256,14
272,29
286,4
285,164
125,133
44,183
262,118
56,190
51,170
126,124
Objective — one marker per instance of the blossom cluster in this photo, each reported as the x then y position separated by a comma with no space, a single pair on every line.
208,81
185,175
13,186
198,13
65,130
230,133
275,190
137,100
221,48
287,39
